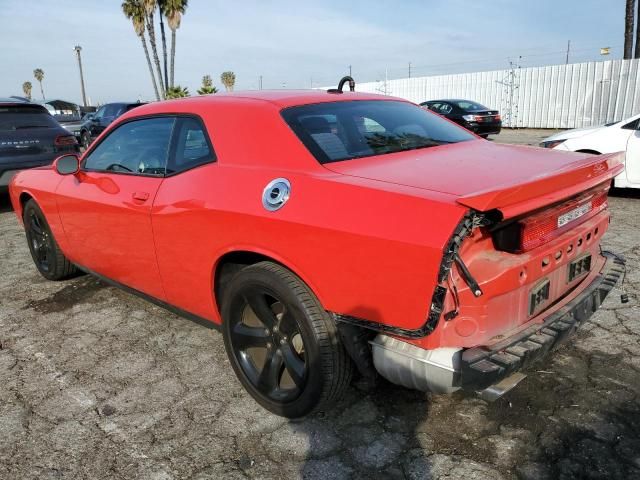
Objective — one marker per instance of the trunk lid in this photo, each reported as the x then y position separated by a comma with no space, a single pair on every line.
486,176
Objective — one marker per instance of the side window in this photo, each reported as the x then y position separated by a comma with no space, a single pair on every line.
111,111
445,109
632,125
139,147
192,147
99,113
371,126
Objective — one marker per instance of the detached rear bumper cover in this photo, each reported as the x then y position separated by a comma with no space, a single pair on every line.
483,366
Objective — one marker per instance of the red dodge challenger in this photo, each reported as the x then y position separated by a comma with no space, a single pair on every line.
329,234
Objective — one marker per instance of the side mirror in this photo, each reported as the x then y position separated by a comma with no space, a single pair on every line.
67,164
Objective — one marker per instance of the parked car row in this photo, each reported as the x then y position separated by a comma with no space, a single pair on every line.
328,233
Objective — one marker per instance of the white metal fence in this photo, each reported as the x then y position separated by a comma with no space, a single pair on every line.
558,96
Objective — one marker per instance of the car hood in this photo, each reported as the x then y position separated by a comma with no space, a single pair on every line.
574,133
485,176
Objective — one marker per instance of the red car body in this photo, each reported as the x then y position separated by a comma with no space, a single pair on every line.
368,236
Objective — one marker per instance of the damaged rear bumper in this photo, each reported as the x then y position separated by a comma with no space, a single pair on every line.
476,369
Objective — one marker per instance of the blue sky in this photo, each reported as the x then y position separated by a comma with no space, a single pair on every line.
294,43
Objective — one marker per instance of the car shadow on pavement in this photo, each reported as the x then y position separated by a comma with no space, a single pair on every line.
576,415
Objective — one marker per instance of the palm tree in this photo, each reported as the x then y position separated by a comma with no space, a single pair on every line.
150,7
173,10
177,92
164,41
135,12
207,86
228,79
38,73
26,88
628,29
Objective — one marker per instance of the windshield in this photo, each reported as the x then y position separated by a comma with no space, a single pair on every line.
338,131
23,117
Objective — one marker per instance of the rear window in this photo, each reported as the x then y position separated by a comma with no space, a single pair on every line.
338,131
470,106
20,118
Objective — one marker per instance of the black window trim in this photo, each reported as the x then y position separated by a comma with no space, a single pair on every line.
171,148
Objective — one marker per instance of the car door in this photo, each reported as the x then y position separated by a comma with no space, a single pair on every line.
105,209
188,218
632,156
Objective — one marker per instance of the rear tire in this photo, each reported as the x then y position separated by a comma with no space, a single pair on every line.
45,252
283,346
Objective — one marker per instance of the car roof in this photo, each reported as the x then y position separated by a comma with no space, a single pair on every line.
451,100
123,103
278,98
8,102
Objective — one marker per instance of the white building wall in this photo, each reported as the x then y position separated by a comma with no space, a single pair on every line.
557,96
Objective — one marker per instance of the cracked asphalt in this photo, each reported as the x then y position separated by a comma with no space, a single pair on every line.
96,383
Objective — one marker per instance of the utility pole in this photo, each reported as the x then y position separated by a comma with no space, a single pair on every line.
78,48
409,69
568,48
260,82
349,70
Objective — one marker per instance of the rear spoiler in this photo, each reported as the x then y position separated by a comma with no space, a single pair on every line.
552,187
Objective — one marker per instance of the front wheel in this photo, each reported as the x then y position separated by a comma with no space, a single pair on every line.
85,140
282,345
46,254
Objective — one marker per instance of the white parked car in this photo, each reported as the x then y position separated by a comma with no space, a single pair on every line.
623,136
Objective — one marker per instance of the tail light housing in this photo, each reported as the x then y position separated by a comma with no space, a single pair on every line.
65,140
539,228
497,118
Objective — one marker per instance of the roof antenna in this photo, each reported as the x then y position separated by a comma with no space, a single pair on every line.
343,80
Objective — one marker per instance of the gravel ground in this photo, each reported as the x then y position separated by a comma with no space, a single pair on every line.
96,383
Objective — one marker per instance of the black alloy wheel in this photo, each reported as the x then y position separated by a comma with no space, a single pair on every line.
46,254
283,346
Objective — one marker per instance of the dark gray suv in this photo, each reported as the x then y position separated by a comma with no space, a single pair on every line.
29,137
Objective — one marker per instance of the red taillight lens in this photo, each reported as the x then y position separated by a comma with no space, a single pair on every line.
497,118
538,229
63,140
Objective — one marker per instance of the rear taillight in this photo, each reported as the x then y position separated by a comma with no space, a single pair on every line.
497,118
64,140
542,227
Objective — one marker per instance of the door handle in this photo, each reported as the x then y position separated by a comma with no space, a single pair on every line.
141,196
